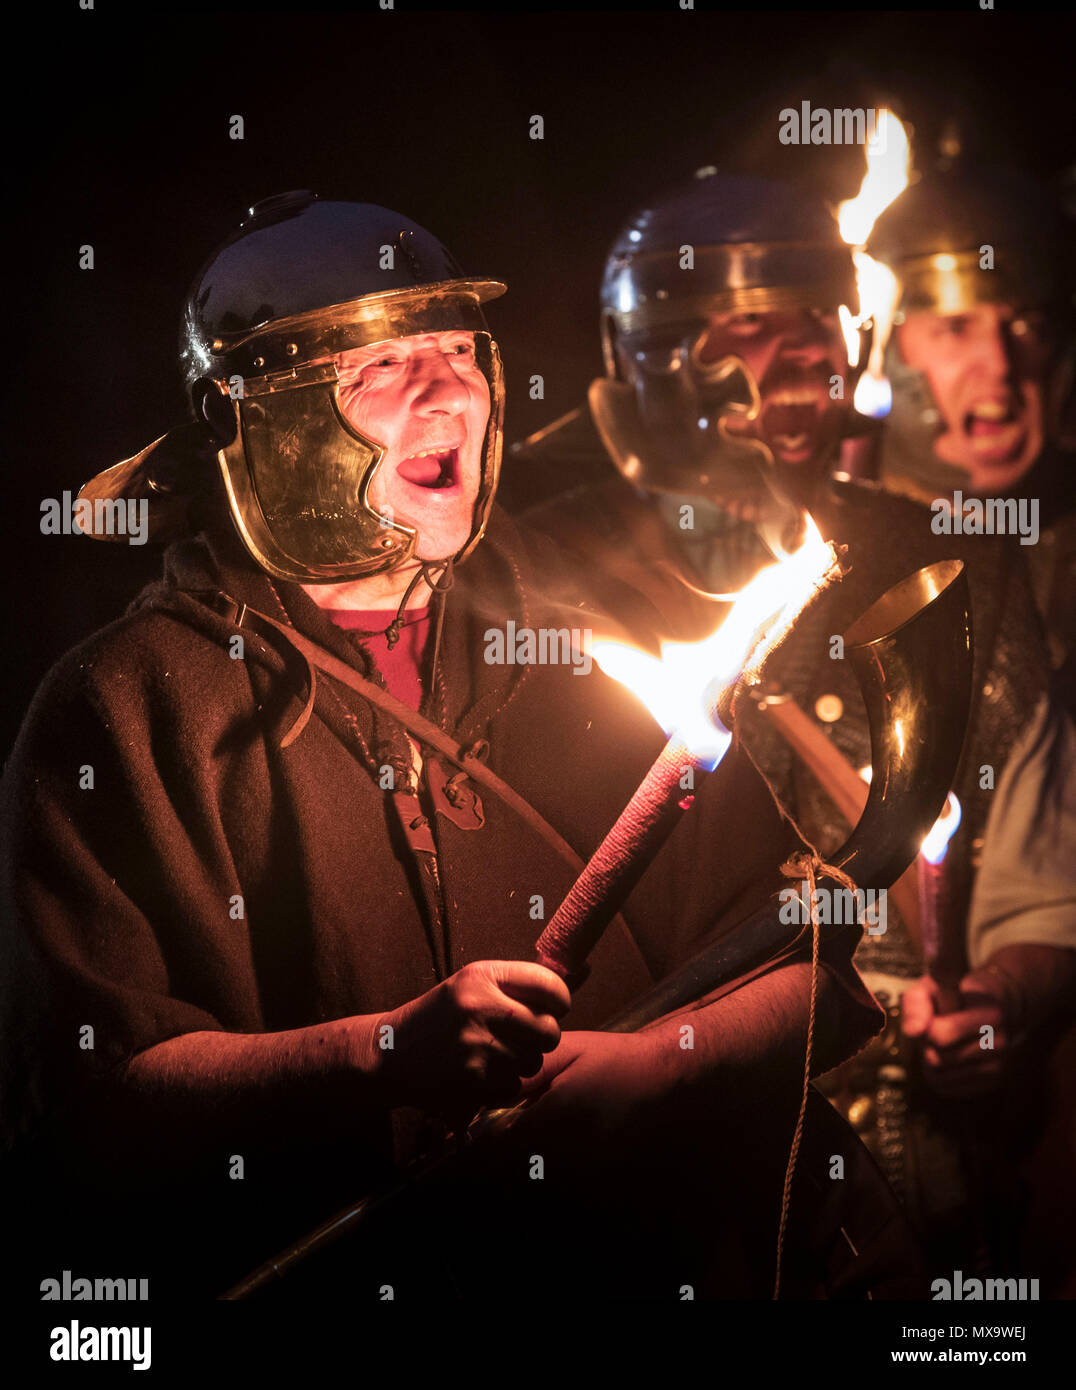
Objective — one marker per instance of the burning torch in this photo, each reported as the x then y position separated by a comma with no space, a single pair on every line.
687,689
943,953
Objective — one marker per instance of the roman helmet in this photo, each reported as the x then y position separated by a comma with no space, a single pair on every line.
299,282
972,233
720,243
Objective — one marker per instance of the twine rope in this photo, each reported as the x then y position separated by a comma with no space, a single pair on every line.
805,865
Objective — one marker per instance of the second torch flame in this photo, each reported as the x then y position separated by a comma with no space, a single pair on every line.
681,688
936,841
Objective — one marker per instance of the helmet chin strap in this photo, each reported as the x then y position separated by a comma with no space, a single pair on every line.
439,576
426,570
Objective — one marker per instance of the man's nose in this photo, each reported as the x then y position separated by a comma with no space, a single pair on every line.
436,389
805,340
996,352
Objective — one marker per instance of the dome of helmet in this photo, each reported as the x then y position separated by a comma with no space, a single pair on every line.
293,254
959,213
724,241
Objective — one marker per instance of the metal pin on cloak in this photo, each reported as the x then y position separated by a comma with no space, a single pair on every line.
690,690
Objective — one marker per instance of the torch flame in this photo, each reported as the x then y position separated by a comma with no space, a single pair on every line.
680,687
874,395
886,178
850,329
936,841
888,166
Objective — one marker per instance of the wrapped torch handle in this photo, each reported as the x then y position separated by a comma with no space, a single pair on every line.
617,865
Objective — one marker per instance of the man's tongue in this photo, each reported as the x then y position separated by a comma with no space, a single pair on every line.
425,470
985,427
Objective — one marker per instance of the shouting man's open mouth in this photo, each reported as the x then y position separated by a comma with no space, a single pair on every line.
431,484
797,415
433,470
996,428
790,420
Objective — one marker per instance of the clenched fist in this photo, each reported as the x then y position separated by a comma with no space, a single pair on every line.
965,1051
467,1042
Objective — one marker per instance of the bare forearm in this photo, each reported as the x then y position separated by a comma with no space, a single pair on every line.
196,1089
217,1068
757,1036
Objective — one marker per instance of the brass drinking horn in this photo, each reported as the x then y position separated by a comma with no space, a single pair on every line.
911,652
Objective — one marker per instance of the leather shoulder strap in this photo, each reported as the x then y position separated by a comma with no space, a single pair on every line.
463,758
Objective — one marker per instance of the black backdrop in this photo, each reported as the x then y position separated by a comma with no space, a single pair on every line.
116,134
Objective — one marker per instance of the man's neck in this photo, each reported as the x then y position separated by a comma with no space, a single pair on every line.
376,591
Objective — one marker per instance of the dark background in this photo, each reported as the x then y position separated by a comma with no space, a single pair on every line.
117,127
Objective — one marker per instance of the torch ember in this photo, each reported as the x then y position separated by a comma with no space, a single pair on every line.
942,953
689,692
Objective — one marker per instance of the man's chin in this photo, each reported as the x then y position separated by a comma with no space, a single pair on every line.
994,480
796,471
442,524
439,543
993,475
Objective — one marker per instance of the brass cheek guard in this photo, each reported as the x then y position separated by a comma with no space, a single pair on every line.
297,477
650,452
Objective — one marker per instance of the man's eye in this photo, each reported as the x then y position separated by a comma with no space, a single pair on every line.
462,350
951,327
1031,324
744,323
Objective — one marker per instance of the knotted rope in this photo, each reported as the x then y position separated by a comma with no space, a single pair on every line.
805,865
